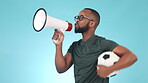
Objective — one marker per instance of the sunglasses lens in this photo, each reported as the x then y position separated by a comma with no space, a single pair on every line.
81,17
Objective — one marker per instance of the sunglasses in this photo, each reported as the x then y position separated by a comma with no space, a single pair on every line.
81,17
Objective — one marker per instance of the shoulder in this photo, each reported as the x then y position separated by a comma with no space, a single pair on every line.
99,38
103,39
106,44
77,42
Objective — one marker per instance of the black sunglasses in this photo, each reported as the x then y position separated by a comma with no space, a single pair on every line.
81,17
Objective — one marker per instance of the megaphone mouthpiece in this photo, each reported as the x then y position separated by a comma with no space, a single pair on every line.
69,27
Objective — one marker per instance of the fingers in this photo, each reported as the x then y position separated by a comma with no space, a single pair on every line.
102,72
100,66
58,37
56,34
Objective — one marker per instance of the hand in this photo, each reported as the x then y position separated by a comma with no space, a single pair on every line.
103,71
58,37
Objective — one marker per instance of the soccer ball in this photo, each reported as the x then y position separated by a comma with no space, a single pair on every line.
108,59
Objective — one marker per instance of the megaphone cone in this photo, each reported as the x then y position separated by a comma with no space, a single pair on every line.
42,20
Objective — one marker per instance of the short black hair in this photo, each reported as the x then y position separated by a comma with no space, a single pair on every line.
95,13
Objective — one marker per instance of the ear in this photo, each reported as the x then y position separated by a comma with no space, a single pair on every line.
92,24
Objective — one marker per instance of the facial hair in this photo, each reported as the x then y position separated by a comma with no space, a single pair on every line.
81,29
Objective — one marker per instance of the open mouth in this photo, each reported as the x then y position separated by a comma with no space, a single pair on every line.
76,25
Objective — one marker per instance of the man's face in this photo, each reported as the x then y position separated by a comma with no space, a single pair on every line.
79,29
82,25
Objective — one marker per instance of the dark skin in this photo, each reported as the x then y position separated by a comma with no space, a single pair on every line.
63,63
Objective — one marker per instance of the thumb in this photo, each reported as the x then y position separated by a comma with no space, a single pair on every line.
100,66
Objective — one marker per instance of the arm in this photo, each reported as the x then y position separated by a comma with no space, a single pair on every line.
62,63
127,58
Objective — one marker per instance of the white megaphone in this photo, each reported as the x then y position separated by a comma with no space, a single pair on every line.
42,20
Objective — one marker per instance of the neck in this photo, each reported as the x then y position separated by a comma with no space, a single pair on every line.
86,36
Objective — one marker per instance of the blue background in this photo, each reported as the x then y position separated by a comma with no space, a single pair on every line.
27,56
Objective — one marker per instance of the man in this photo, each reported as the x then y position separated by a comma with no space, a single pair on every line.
84,53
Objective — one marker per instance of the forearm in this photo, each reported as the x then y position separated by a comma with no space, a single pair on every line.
59,59
125,61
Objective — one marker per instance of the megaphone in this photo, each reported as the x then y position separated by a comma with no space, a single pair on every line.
42,20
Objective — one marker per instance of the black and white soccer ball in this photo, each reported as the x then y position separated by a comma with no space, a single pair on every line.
108,59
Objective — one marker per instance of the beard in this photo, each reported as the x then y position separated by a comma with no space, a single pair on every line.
81,29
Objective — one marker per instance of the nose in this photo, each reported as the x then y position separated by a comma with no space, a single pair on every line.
77,20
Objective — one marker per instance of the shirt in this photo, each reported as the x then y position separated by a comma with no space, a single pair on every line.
85,56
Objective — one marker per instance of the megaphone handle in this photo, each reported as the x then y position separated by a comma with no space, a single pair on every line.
62,30
55,41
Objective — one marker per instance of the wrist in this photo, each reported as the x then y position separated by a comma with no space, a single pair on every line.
113,68
58,45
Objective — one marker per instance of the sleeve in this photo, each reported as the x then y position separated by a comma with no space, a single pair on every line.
70,50
108,45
